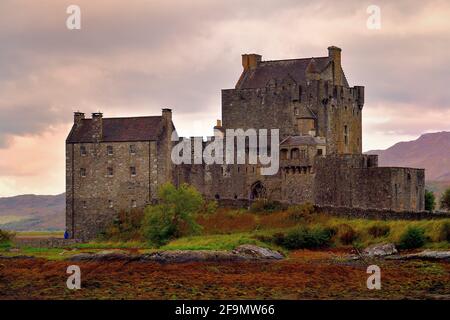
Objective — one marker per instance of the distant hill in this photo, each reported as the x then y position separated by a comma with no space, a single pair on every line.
430,151
32,212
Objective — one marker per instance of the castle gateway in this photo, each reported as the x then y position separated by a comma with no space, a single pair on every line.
117,164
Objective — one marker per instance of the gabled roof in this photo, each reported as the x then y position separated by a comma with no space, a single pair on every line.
278,70
303,140
119,130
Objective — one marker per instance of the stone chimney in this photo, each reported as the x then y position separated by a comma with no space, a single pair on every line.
251,61
167,117
218,129
334,53
77,118
97,126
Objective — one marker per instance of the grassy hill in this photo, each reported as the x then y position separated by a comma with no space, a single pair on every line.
32,212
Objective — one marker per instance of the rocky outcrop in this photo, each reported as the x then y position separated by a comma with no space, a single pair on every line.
424,255
241,253
380,250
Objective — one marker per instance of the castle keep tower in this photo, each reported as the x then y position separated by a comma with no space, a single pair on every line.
308,96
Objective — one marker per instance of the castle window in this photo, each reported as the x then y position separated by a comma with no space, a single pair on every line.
133,203
110,203
299,93
110,172
217,196
284,154
84,204
319,152
296,111
132,149
346,135
303,153
133,171
295,153
83,151
82,172
109,150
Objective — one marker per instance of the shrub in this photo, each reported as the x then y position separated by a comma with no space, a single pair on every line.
413,237
430,201
306,238
209,207
303,212
445,200
5,236
125,227
346,234
445,232
379,230
173,217
265,205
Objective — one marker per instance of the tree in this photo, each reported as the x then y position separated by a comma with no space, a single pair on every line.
430,201
173,217
445,199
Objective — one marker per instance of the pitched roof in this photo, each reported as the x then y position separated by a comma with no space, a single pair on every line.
279,70
302,140
119,130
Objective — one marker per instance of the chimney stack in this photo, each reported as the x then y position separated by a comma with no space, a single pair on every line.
334,53
77,118
250,61
97,126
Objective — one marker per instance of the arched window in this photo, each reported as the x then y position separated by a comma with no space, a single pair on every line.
295,153
284,154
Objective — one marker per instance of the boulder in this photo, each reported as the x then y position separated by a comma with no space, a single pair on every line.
380,250
425,255
257,252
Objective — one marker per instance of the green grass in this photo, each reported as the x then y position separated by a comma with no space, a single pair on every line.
58,234
213,242
397,228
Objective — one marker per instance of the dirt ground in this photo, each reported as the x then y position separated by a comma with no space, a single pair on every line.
304,275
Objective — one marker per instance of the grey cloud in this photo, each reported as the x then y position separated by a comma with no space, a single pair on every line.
410,69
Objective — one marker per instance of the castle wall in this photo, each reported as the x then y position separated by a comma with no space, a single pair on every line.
356,181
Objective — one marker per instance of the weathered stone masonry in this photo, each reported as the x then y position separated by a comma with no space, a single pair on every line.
115,164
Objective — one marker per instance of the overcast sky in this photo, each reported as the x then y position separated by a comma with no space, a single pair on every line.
135,57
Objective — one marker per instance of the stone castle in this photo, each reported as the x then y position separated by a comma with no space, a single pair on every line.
115,164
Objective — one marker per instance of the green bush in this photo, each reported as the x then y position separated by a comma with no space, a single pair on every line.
173,217
5,236
445,232
265,206
346,234
303,212
413,237
430,201
379,230
445,200
306,238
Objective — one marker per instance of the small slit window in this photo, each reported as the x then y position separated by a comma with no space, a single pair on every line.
109,150
132,149
83,151
82,172
133,171
110,172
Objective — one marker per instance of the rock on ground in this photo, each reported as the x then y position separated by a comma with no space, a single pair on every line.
380,250
241,253
424,255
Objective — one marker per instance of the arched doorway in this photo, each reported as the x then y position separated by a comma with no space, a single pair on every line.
258,191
